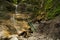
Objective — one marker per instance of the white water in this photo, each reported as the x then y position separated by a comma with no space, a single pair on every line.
13,17
16,9
13,20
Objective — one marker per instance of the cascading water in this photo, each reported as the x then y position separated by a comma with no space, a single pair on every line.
16,9
14,17
13,20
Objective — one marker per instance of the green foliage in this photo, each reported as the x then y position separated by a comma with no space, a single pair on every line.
15,1
53,9
48,4
50,7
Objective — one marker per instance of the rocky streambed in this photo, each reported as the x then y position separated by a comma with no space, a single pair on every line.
33,36
45,30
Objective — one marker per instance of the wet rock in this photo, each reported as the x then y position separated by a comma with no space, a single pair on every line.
50,28
4,35
33,38
11,29
22,16
13,37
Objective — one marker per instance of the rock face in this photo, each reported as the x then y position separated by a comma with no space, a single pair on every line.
13,37
50,28
36,36
7,28
22,16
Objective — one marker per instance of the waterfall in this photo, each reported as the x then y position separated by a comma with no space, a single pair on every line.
16,12
13,20
13,16
16,9
15,24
